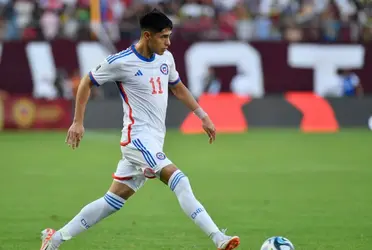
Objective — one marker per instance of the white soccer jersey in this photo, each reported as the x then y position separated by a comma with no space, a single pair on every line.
143,85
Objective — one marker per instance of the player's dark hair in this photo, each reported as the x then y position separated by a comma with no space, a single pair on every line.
155,21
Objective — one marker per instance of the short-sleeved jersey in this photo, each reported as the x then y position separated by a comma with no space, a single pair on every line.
143,85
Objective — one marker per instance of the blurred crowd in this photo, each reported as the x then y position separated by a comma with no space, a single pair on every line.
250,20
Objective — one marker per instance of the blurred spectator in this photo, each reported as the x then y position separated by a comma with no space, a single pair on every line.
244,25
267,7
349,84
293,20
227,5
330,25
263,28
49,23
292,32
212,83
63,85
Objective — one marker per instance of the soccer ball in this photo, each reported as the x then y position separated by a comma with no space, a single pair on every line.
277,243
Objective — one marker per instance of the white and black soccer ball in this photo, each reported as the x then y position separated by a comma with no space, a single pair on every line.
277,243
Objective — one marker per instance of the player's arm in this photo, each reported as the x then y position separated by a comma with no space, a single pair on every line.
103,73
82,98
76,131
184,95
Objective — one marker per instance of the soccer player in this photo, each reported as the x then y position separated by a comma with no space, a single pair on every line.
142,73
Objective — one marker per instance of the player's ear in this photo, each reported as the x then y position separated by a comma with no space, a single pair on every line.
146,34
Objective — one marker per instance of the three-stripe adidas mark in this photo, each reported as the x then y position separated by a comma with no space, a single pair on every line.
146,154
139,73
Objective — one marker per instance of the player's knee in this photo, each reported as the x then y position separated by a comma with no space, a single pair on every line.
167,172
179,182
122,190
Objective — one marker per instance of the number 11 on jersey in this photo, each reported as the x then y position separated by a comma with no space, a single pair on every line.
156,84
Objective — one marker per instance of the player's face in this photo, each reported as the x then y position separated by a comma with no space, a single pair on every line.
159,42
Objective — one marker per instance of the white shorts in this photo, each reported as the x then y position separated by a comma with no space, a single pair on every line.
142,159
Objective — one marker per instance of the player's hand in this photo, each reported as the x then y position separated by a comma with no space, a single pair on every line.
74,135
208,126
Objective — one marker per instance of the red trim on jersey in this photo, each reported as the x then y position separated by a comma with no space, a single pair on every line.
125,97
121,178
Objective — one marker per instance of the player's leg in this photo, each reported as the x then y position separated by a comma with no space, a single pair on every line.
163,168
179,183
89,215
121,189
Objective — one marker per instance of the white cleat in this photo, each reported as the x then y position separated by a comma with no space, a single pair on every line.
46,239
228,243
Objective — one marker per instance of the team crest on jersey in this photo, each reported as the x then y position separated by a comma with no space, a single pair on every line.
160,156
164,69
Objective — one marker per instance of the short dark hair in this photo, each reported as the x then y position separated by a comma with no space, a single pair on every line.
155,21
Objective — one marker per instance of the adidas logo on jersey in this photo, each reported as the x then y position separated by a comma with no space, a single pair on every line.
139,73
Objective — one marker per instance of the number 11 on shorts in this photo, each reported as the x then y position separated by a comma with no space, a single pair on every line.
156,84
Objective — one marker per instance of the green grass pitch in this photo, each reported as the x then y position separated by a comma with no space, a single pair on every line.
315,189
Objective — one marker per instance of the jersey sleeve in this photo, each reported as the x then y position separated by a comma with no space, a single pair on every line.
174,76
105,72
